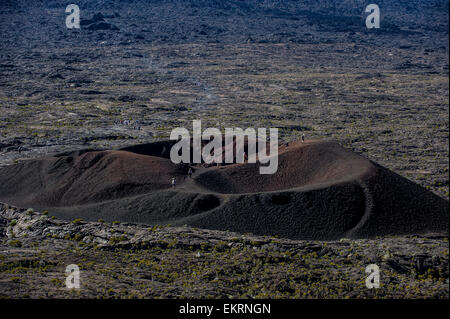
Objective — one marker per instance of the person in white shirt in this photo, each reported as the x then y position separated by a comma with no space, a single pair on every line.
174,182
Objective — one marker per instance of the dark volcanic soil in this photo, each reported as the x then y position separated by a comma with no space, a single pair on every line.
320,191
307,67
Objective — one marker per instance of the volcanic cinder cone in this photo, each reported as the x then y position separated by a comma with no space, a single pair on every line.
320,191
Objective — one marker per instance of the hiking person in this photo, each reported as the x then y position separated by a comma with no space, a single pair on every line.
174,182
303,138
190,172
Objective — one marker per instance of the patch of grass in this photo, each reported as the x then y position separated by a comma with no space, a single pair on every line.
15,243
57,282
16,279
117,239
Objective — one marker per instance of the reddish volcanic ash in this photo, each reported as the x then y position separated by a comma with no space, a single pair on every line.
320,191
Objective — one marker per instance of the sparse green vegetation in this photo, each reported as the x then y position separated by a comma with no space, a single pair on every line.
15,243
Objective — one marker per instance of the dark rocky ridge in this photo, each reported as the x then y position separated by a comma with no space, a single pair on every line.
410,23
